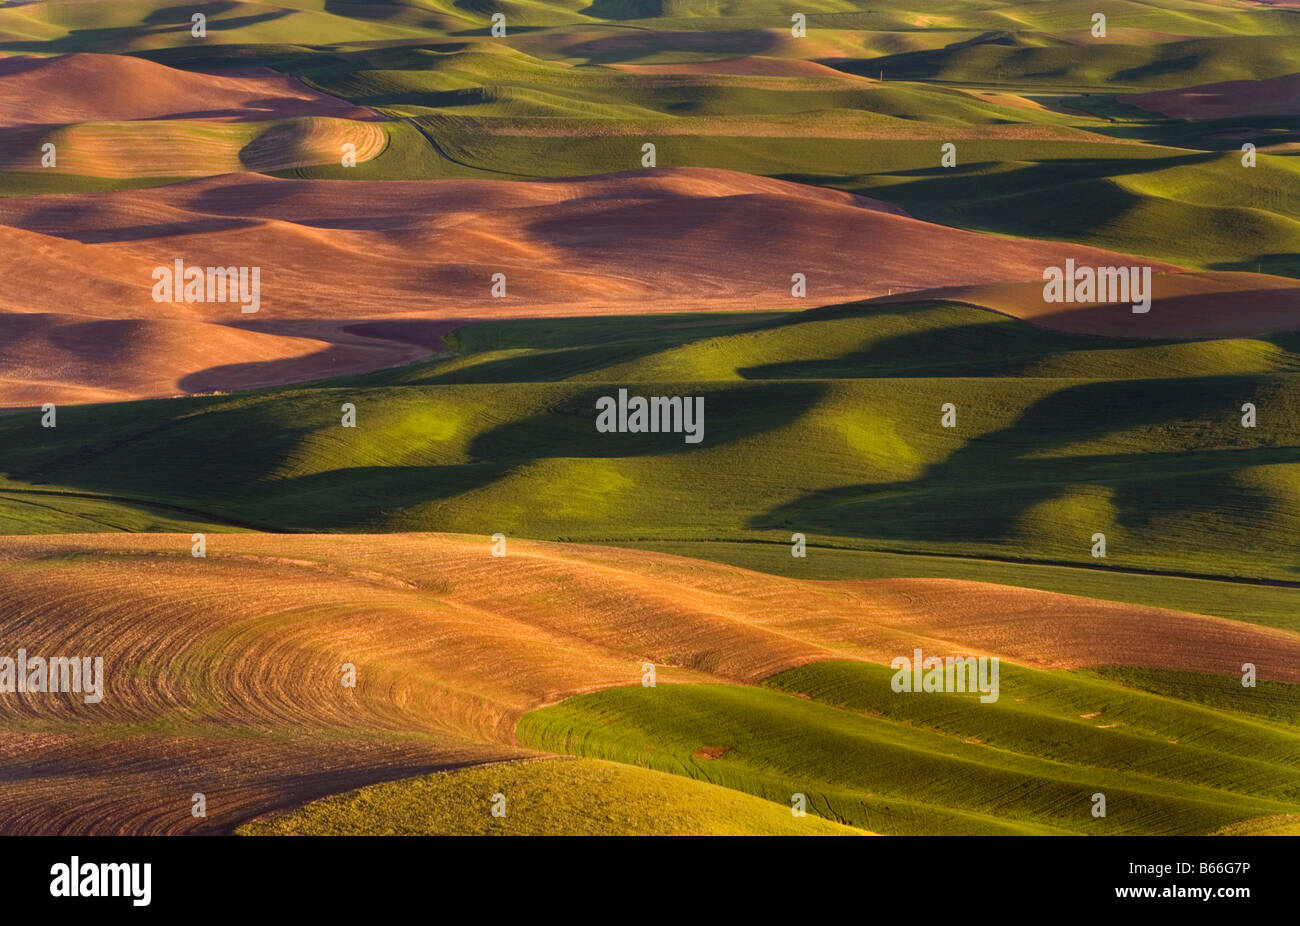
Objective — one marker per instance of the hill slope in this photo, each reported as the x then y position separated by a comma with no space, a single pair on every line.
1057,437
555,798
663,241
223,674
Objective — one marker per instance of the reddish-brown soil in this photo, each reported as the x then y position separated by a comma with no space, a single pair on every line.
118,88
668,240
224,674
1276,96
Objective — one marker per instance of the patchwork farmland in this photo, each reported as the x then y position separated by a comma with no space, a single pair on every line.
356,557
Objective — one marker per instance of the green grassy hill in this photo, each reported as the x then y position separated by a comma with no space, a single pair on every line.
1122,180
1173,753
152,23
825,423
556,797
1053,155
1058,437
1028,763
1111,64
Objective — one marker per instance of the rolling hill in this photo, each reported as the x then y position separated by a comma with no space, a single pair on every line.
554,798
223,675
1029,764
425,252
1057,437
359,556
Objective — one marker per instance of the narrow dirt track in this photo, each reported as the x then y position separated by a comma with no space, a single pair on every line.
223,674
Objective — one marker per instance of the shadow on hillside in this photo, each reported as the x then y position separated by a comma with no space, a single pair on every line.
923,62
237,458
631,45
1282,265
1152,448
60,220
732,412
984,488
1057,199
112,40
991,346
566,360
364,497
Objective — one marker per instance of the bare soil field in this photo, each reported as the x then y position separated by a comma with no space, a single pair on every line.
117,88
122,117
1278,96
224,674
668,240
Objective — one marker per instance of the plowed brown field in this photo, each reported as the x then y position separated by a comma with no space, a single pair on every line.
670,240
224,674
